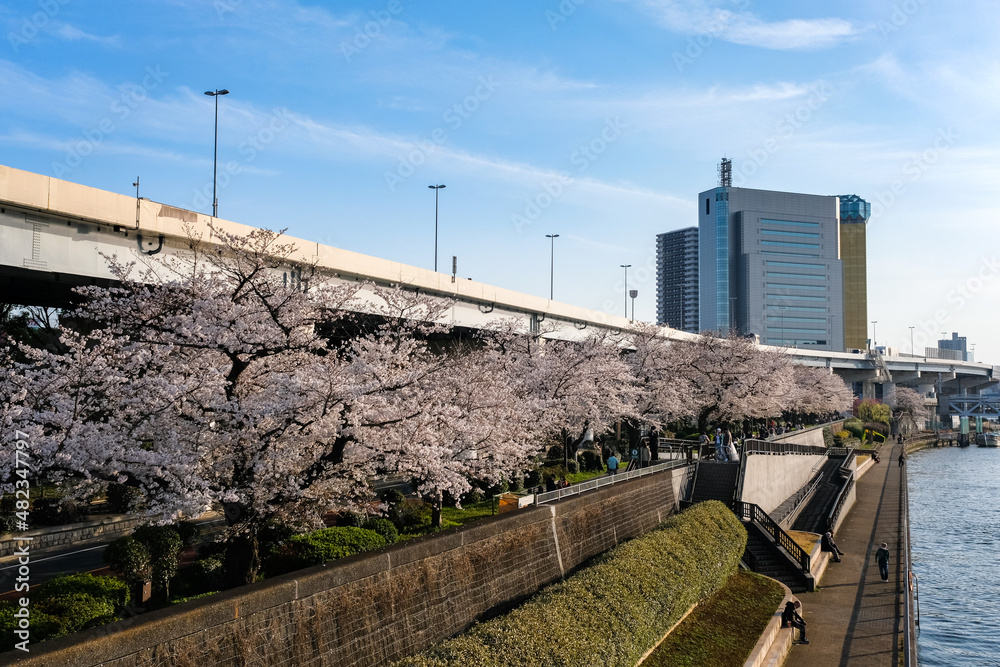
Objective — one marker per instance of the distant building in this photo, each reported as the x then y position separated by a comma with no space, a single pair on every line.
677,279
854,214
957,345
770,265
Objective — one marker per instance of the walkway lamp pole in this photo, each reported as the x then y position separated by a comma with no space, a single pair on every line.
436,189
912,350
552,262
625,266
874,337
215,159
633,293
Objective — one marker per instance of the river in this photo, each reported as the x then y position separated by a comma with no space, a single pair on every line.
954,524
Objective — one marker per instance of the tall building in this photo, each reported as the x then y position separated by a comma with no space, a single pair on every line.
854,214
770,264
677,279
956,344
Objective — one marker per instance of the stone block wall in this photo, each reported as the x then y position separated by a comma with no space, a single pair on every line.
381,606
60,537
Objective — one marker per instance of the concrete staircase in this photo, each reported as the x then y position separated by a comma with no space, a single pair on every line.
771,561
813,517
716,481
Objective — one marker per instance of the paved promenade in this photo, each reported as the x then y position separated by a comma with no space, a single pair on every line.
854,618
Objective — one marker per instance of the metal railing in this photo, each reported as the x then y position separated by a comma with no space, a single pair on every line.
598,482
752,446
752,512
910,586
834,515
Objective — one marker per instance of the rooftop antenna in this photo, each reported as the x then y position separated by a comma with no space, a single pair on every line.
726,173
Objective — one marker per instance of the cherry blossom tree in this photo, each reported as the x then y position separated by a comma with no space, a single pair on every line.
907,402
662,390
818,391
732,379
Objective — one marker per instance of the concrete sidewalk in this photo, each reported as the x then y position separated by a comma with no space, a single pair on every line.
854,618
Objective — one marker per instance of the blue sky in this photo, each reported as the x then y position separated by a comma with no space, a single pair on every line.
598,120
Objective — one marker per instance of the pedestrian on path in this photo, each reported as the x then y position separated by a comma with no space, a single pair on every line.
612,464
902,459
827,544
790,618
882,558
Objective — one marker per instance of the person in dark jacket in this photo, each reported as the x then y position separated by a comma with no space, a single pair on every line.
882,558
827,544
790,618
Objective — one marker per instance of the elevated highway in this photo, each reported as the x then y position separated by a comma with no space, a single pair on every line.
54,235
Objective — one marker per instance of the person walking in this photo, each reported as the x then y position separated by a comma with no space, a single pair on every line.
790,618
612,464
644,455
882,558
720,446
902,459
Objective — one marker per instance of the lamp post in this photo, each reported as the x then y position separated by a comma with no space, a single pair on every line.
633,293
912,350
625,266
552,262
436,189
215,159
874,337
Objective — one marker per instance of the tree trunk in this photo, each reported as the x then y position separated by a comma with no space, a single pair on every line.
436,511
242,561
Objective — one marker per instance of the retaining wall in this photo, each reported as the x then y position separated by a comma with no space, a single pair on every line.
377,607
105,529
771,479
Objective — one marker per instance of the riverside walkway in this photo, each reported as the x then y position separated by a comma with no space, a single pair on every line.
854,618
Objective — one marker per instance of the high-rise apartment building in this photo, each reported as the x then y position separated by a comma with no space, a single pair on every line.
677,279
956,344
770,264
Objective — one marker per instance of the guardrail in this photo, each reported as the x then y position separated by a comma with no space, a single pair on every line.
752,512
607,480
910,584
834,515
769,447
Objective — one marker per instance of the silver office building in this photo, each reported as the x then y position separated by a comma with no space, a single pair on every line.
770,265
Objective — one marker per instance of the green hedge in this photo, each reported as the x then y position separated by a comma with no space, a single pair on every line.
322,546
64,605
614,611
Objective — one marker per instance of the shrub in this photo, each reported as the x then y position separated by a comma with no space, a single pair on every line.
75,611
383,527
321,546
555,452
112,589
572,467
164,546
350,519
129,558
394,497
533,478
123,499
188,531
590,461
43,626
207,574
633,594
854,426
56,512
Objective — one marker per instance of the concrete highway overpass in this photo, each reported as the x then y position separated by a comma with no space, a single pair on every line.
53,234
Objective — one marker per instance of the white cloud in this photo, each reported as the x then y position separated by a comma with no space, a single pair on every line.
73,34
742,27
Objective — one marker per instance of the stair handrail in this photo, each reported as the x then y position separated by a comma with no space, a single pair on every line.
753,512
834,515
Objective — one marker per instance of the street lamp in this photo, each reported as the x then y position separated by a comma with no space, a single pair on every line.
633,293
912,350
436,189
215,160
874,337
625,266
552,262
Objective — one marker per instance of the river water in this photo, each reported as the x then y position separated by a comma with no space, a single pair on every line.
954,524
